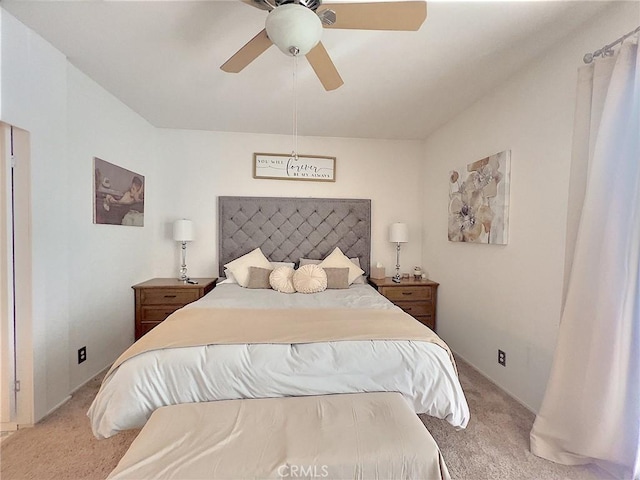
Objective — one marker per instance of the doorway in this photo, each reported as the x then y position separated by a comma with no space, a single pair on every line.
16,361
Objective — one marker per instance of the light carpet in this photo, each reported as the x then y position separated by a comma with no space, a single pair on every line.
495,445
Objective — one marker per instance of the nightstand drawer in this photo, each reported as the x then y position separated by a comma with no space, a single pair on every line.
169,296
406,293
415,308
144,327
157,314
427,320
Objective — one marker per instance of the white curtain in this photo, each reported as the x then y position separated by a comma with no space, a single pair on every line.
591,409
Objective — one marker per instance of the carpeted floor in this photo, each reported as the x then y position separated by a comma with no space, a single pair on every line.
495,445
61,446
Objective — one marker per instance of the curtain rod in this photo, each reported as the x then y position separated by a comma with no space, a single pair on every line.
607,50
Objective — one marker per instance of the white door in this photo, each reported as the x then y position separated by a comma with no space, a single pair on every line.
15,279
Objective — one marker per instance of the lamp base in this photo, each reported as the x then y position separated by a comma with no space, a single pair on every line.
183,275
396,277
183,268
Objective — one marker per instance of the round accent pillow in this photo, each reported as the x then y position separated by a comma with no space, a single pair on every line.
281,280
310,279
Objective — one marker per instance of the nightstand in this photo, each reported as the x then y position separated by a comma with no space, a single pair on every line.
416,297
158,298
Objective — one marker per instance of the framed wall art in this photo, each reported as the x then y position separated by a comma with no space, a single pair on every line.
278,166
118,195
479,201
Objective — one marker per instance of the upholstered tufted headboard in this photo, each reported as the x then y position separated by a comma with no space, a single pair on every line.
287,229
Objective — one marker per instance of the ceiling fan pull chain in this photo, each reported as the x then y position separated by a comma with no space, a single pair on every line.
294,154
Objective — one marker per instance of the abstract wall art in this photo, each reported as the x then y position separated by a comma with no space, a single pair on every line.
479,201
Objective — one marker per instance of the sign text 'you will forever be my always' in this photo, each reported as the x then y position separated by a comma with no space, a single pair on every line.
287,167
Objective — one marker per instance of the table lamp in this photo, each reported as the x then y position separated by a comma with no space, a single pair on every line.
183,232
398,233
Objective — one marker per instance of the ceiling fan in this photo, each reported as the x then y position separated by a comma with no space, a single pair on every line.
295,27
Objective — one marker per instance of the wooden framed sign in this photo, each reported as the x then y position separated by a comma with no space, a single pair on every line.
278,166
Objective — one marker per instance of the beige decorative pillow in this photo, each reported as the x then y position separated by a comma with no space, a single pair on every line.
240,266
281,280
337,259
259,277
337,277
310,279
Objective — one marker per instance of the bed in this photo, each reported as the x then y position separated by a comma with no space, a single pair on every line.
262,343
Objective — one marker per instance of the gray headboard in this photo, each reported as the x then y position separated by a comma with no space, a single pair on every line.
287,229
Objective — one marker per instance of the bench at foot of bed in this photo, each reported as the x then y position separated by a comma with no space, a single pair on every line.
363,435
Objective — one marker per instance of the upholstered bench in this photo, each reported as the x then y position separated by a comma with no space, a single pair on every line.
362,435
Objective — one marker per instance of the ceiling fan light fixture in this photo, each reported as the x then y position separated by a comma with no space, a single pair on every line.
294,29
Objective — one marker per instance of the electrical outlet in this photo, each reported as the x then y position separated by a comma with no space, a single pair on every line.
502,358
82,354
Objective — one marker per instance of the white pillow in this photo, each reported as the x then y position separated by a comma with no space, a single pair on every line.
310,279
309,261
337,259
240,266
275,265
360,278
281,279
228,278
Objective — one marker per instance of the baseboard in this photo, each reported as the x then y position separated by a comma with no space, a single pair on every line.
8,426
68,397
104,369
488,378
65,400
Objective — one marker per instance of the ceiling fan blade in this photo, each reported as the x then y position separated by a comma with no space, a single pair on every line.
324,67
256,4
247,54
379,15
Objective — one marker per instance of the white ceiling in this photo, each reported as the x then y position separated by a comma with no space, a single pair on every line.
162,59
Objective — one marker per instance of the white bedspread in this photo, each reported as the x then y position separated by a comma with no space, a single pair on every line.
421,371
234,296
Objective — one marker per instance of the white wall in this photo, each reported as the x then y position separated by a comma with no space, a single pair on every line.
104,260
82,273
509,297
199,166
34,98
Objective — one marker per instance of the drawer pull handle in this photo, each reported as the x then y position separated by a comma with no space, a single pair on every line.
407,293
170,296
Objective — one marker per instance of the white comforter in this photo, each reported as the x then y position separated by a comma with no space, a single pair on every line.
421,371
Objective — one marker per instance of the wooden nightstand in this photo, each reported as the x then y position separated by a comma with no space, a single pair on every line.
416,297
158,298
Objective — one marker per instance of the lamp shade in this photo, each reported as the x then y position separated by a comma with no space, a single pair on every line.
183,230
294,29
399,233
